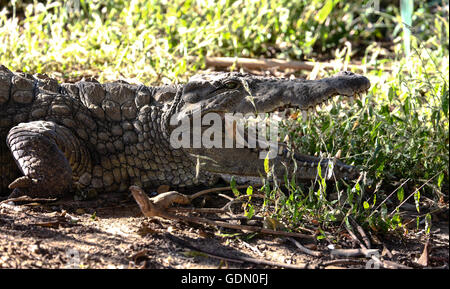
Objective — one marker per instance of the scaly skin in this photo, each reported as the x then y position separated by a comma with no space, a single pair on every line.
110,136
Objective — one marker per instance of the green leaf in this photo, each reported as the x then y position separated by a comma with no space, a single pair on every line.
366,205
400,194
416,200
428,223
266,164
319,171
323,13
250,190
396,220
440,179
444,102
250,212
383,211
233,186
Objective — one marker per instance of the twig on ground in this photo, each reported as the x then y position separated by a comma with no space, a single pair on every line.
374,255
239,259
304,249
353,252
26,199
341,262
267,64
198,210
361,232
214,190
256,229
253,248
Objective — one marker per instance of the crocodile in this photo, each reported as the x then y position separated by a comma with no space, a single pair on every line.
61,137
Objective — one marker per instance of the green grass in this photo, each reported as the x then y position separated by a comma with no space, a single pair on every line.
398,134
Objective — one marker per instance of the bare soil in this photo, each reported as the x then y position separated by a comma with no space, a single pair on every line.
111,232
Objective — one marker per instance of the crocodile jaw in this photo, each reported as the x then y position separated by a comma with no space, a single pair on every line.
206,93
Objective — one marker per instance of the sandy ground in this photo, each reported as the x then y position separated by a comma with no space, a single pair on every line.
111,232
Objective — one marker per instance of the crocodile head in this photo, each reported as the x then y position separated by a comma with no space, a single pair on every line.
221,94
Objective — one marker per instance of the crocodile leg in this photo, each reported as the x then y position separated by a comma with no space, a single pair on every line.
43,152
8,169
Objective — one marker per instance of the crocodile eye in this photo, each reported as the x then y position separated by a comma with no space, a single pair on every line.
231,84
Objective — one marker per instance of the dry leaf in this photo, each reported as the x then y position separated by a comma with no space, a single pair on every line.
423,260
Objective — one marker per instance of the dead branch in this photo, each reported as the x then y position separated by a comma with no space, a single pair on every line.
353,252
238,259
304,249
251,63
255,229
341,262
361,232
373,256
268,64
197,210
26,199
213,190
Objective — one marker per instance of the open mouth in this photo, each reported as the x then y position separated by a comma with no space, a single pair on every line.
240,124
330,166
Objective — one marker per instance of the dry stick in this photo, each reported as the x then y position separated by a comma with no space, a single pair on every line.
225,197
384,263
197,210
361,232
264,63
253,248
251,63
198,194
336,252
27,199
239,259
304,249
340,262
256,229
353,252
